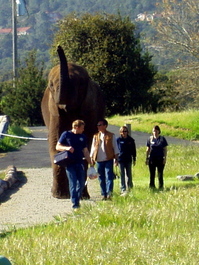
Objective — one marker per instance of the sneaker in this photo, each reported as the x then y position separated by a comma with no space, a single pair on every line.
124,193
104,198
76,209
109,198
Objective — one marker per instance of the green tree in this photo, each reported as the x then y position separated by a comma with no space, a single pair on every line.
22,103
107,46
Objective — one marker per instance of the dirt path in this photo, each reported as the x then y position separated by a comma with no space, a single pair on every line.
30,203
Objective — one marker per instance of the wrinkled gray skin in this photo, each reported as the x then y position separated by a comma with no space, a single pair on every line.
70,95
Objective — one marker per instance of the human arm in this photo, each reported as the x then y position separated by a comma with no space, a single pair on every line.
133,151
165,154
87,156
147,155
92,150
60,147
116,149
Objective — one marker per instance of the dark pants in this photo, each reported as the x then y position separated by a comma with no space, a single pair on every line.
126,167
153,164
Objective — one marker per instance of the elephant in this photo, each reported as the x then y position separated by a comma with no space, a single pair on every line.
70,95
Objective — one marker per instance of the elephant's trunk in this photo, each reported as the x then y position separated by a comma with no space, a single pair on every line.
64,85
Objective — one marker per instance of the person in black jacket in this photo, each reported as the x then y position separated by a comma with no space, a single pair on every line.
156,154
127,155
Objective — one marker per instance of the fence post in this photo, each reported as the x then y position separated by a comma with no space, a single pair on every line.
129,128
4,122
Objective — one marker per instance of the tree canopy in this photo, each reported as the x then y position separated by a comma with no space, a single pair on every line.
178,26
22,102
107,46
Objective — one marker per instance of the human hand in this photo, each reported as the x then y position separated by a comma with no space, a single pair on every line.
116,162
92,163
71,149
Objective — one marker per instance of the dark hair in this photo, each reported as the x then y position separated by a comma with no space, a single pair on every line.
105,122
157,128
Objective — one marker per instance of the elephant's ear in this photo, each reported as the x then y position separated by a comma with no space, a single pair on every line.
53,108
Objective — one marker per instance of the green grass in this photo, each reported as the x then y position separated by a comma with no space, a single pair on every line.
184,125
10,143
144,228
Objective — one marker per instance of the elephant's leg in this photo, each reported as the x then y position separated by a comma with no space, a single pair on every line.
60,187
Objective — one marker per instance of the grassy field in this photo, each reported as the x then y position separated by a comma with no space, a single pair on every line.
143,228
184,125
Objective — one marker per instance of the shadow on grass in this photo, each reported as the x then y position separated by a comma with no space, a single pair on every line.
186,184
179,186
21,180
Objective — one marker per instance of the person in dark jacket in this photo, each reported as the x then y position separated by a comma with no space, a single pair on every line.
127,155
156,154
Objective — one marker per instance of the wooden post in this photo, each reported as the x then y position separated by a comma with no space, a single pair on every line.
129,128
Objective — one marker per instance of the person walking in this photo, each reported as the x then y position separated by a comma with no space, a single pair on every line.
156,154
127,155
75,142
104,150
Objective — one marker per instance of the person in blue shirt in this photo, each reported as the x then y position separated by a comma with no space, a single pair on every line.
156,154
75,142
127,155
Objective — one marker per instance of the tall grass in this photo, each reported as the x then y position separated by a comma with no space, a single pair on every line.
143,228
184,125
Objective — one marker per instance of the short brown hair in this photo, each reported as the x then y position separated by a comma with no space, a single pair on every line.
78,123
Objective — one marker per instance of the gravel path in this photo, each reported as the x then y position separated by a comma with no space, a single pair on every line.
30,202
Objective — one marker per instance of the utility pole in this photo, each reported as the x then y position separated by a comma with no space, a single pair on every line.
14,41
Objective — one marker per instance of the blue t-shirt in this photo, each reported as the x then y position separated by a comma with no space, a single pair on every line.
156,146
77,141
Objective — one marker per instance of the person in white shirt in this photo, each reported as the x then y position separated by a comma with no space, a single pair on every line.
104,151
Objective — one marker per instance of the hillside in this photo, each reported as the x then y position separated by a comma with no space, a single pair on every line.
41,18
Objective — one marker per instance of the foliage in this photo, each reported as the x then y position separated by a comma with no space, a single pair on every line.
42,16
185,82
144,227
10,143
184,124
164,94
22,103
107,46
178,27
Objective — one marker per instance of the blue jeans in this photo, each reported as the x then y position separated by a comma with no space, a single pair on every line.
105,170
126,167
76,179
